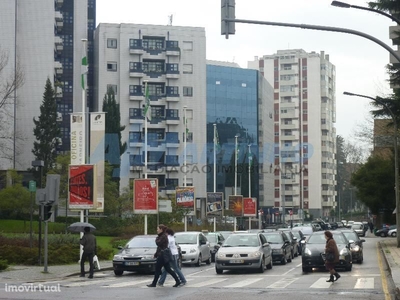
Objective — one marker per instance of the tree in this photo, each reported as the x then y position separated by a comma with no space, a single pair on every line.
111,192
47,130
14,199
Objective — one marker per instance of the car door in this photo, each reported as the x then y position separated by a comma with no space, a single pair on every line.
267,249
287,246
204,246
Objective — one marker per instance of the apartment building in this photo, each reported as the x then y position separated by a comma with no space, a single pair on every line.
304,132
172,61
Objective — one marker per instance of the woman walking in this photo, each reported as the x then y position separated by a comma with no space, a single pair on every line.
175,258
163,257
331,256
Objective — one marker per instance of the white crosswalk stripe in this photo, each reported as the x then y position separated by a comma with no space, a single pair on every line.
127,283
208,282
365,283
281,284
321,284
244,283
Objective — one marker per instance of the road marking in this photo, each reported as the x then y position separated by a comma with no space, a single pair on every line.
195,273
281,284
284,274
321,284
364,283
243,283
208,282
88,282
124,284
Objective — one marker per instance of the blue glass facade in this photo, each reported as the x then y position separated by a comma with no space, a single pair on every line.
232,104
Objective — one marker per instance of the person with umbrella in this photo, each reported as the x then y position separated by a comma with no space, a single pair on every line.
88,241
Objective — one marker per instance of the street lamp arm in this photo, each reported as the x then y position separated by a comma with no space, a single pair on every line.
323,28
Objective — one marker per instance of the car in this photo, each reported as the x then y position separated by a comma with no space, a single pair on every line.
349,223
293,241
384,232
216,239
281,246
359,228
314,250
300,237
392,232
138,255
356,245
225,234
242,251
195,247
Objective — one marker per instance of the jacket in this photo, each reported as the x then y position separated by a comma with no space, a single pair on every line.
331,247
161,242
88,241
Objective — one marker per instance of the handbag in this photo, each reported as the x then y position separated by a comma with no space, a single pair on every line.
96,263
166,255
329,257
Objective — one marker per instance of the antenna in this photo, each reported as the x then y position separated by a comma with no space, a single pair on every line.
170,20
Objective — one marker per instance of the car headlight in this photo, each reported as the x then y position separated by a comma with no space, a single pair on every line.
118,257
221,255
344,252
278,251
307,252
148,256
356,248
193,250
255,254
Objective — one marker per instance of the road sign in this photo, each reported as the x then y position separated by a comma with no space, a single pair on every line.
32,186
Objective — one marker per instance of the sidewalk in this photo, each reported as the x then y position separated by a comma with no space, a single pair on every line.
392,256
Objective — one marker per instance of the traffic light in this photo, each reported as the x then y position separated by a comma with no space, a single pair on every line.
227,12
47,212
52,188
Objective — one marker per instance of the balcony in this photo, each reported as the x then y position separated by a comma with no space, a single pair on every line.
172,72
136,163
59,3
136,93
59,20
136,116
58,68
172,163
172,48
136,70
172,120
136,47
135,140
58,44
172,94
172,140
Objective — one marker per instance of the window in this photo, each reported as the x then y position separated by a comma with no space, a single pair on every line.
188,45
187,91
112,66
187,69
113,87
156,89
112,43
153,66
153,43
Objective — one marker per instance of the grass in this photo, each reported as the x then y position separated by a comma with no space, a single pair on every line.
105,242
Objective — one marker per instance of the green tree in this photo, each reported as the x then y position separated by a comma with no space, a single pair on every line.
14,199
47,130
111,192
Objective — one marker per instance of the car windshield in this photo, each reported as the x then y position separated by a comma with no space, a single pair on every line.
356,226
212,237
296,234
145,242
186,238
274,238
238,240
320,239
351,236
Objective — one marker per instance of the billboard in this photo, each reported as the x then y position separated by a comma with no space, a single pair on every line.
82,187
236,205
185,197
145,196
214,203
249,207
77,141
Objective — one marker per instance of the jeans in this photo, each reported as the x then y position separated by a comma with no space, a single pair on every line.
174,265
159,264
89,256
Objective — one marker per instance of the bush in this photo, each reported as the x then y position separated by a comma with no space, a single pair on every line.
3,264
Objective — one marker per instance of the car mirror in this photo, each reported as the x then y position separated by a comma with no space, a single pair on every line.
303,241
265,244
120,247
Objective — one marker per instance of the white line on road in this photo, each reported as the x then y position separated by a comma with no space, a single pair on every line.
364,283
292,269
281,284
124,284
243,283
208,282
321,284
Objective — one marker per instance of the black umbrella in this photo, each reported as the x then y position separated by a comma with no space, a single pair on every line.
80,227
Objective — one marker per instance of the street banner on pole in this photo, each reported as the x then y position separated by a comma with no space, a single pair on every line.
145,196
214,203
82,187
77,139
249,207
185,197
236,205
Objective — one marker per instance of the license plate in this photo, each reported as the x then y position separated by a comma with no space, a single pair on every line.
132,263
236,261
341,257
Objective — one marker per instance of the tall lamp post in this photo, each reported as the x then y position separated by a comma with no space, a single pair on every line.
396,163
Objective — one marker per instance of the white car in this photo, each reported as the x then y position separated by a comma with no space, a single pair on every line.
195,247
392,232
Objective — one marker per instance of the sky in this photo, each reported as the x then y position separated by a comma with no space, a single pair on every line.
360,63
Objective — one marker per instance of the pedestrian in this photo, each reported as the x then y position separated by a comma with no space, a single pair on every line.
371,226
331,256
163,257
174,262
88,241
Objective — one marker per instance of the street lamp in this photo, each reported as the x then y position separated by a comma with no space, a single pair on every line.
396,164
346,5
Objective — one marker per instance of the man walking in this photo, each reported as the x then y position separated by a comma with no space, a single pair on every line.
88,241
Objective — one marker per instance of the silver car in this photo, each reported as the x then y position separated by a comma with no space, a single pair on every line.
195,247
244,251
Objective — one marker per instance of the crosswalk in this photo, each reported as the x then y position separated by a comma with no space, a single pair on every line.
227,281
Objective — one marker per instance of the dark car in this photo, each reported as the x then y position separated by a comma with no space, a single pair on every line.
356,245
216,239
315,248
293,241
281,246
300,237
383,232
138,255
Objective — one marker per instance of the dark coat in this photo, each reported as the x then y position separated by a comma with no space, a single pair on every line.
331,247
161,242
88,241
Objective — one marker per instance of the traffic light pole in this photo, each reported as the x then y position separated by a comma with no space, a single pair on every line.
45,245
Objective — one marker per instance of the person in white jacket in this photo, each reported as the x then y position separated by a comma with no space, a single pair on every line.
175,257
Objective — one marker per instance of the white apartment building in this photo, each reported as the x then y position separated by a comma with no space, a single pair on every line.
172,60
305,136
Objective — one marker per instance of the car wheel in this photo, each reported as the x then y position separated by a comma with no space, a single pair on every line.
269,266
208,261
118,272
262,266
198,264
306,269
218,271
394,234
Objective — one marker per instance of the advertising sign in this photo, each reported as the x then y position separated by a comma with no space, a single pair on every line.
236,205
185,197
77,141
82,187
249,207
214,203
145,196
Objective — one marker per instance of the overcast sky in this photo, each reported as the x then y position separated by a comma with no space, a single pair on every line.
360,63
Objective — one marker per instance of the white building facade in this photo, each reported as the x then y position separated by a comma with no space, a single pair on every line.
305,136
172,61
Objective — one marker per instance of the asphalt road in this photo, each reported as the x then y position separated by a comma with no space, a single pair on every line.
366,281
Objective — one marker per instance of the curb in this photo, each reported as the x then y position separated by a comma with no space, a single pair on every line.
389,263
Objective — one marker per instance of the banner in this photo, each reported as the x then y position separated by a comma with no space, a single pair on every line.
145,196
97,141
77,141
214,203
185,197
82,187
236,205
249,207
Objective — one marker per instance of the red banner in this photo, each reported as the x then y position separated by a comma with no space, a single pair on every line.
249,207
145,196
82,192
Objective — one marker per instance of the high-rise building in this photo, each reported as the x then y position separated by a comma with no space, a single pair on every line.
43,39
305,136
171,61
240,104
